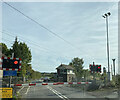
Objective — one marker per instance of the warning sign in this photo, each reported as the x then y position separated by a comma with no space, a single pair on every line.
5,92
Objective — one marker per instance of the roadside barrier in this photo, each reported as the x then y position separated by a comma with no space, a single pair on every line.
57,83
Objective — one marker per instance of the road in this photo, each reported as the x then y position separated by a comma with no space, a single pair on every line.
54,91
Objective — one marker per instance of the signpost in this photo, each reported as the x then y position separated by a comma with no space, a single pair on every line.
6,92
10,66
9,73
95,69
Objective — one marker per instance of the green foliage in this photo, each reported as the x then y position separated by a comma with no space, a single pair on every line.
35,75
103,76
86,74
5,50
77,63
118,81
21,50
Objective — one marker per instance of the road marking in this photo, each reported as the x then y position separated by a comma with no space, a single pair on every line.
57,93
27,90
115,92
20,89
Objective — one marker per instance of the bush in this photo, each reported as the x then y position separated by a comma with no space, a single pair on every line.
118,81
93,86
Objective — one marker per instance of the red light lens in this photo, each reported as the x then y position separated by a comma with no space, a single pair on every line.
15,62
98,67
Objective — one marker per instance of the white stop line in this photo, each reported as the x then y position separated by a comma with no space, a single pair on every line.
57,93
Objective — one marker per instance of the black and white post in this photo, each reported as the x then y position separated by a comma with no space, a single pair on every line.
10,77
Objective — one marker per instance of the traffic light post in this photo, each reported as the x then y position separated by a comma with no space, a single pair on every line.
10,66
10,77
95,69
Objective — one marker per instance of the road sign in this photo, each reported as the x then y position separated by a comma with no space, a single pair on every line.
8,63
6,92
9,73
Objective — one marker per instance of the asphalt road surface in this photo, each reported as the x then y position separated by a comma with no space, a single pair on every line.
63,92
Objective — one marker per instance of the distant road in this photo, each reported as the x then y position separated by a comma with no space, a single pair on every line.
62,92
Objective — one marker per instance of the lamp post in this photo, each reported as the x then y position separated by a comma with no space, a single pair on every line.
106,15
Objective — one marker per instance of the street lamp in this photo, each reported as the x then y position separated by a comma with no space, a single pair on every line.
106,15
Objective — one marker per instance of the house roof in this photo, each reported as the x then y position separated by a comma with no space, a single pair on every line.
63,66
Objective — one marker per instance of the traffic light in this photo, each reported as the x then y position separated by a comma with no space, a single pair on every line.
11,63
92,68
98,68
95,68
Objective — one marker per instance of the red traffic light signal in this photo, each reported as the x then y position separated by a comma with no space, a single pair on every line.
98,67
95,68
15,62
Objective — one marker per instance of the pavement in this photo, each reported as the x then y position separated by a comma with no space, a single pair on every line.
62,92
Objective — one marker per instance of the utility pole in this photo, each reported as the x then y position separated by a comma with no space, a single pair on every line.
94,73
106,16
114,65
111,69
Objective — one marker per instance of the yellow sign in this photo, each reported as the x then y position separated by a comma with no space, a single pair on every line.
5,92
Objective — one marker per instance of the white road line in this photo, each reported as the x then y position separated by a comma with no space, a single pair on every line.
27,90
20,89
57,93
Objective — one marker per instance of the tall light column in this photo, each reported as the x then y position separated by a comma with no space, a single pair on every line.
106,17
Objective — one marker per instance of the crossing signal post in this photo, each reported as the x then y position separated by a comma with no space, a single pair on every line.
9,66
95,69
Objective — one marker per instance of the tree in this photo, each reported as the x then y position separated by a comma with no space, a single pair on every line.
77,64
5,50
86,74
21,50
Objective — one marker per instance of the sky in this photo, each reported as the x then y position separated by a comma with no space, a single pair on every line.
79,23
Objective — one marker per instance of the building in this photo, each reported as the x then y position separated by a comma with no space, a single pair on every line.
65,73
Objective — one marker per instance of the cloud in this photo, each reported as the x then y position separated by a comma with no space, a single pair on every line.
79,23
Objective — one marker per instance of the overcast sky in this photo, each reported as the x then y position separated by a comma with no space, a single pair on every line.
80,23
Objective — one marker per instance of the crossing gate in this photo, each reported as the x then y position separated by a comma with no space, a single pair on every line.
57,83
